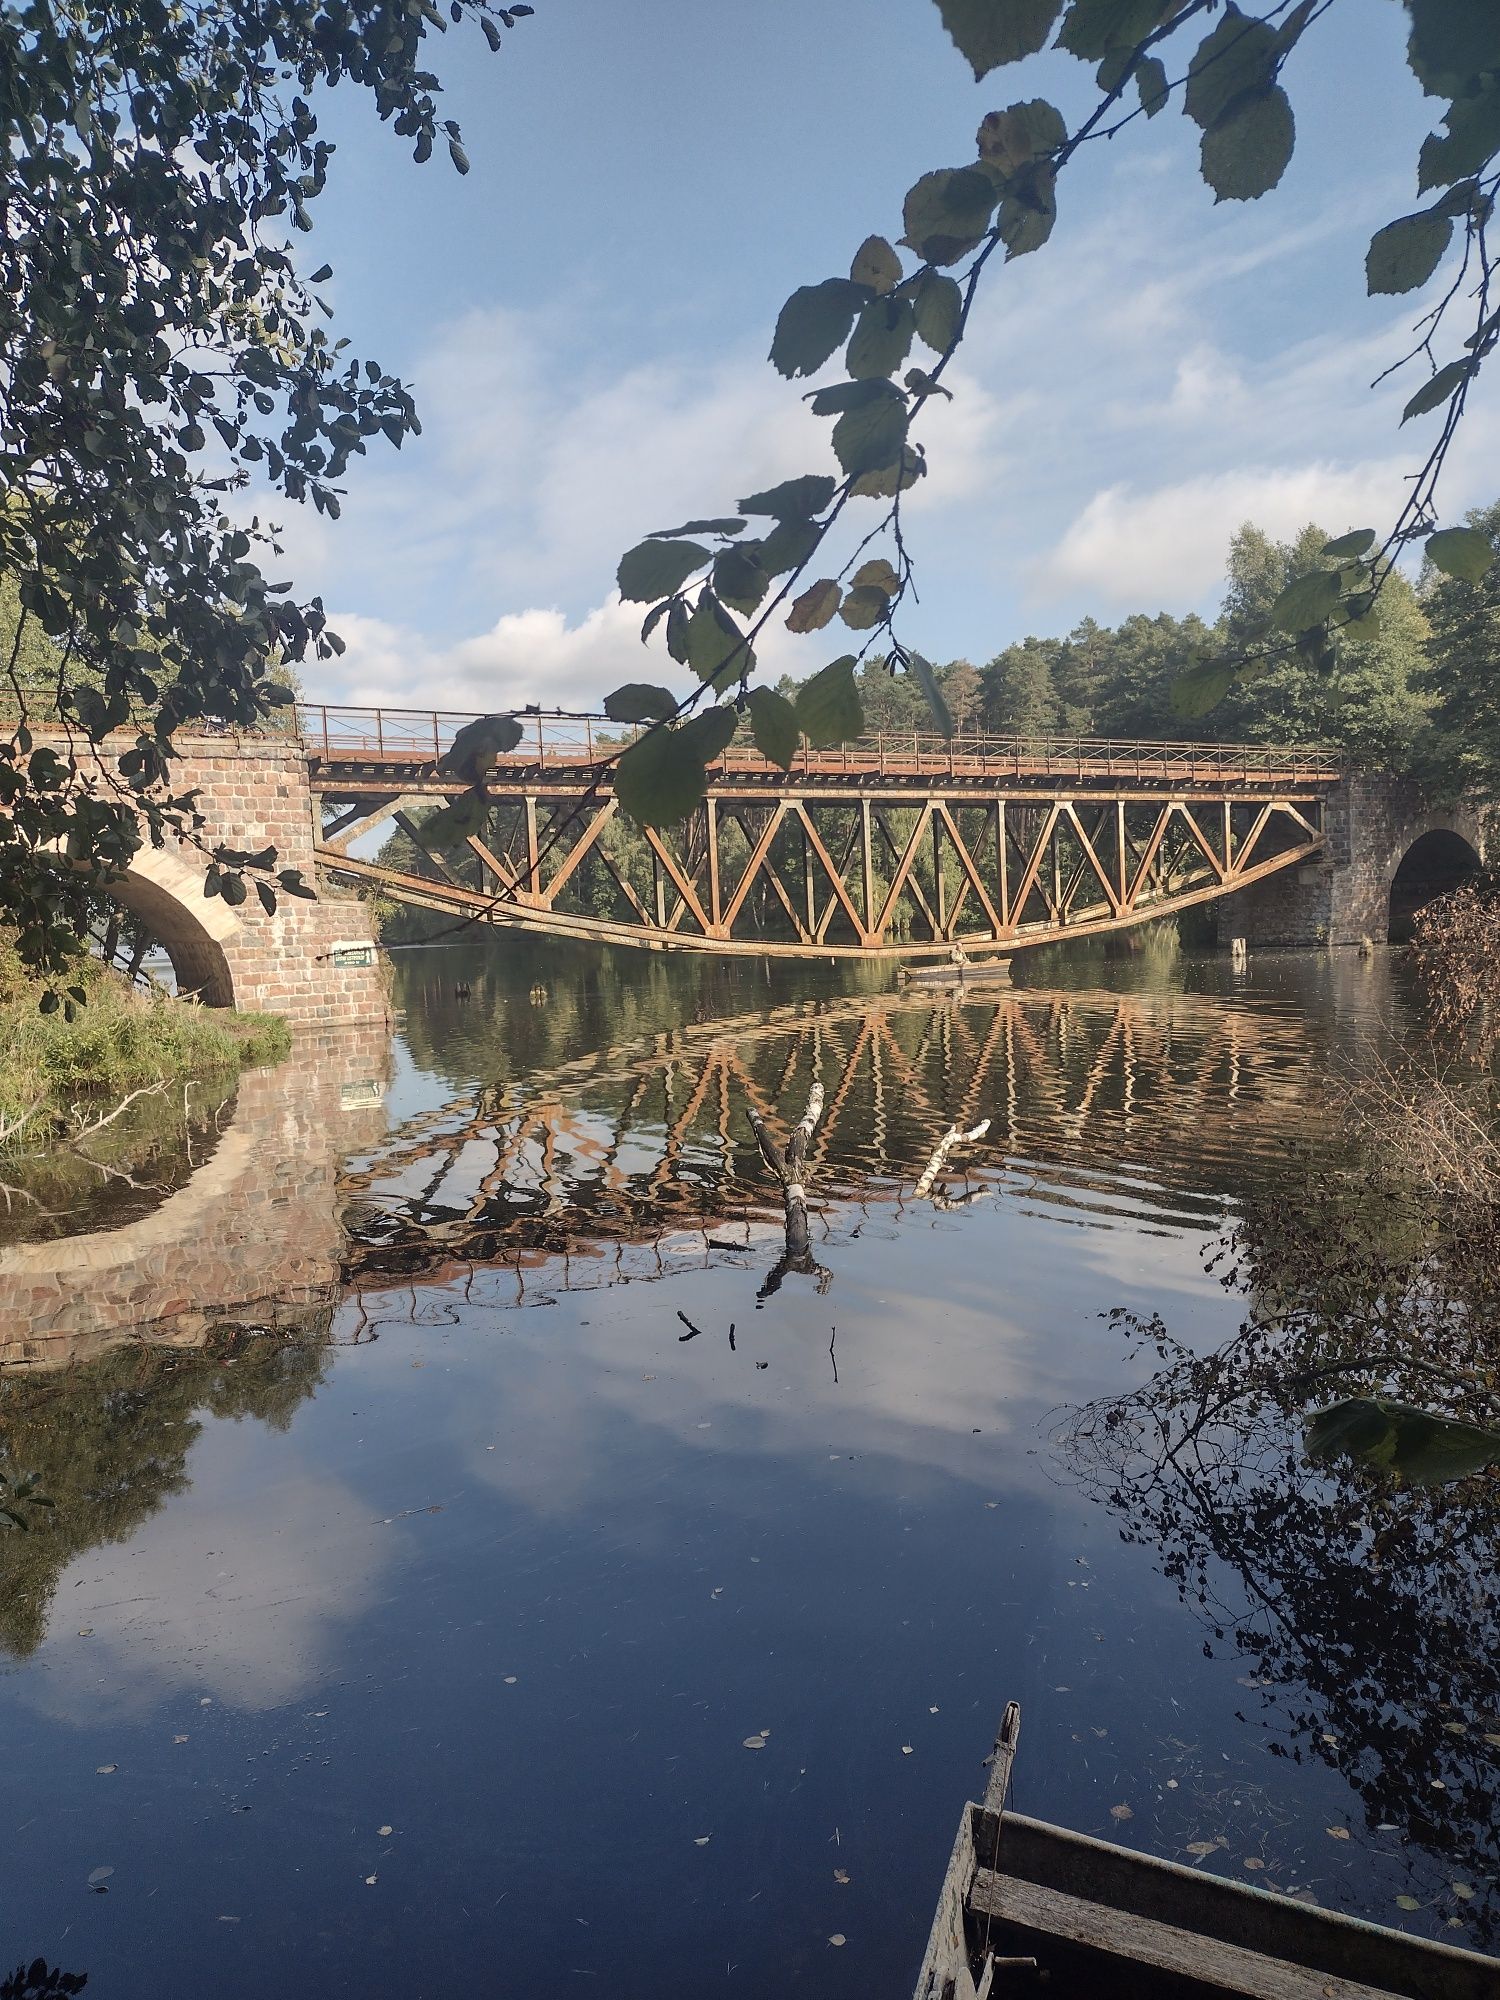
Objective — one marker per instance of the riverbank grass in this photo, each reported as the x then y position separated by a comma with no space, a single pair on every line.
121,1040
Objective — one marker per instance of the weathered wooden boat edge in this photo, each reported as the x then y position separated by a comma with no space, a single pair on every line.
1044,1884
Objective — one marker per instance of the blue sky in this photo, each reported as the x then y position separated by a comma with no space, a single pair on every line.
585,317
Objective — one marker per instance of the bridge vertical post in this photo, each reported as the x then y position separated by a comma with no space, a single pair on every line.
533,851
808,890
711,831
867,869
1122,864
940,889
1002,880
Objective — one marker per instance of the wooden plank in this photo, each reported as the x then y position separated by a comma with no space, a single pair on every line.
1219,1912
1002,1758
1051,1913
945,1963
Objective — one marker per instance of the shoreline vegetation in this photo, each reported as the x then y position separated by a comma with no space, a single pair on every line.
61,1077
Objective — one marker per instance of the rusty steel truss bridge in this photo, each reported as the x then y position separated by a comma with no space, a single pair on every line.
902,846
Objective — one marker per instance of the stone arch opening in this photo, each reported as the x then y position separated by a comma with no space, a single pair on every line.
191,928
1431,866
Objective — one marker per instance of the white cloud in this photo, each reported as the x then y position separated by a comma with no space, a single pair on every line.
1166,546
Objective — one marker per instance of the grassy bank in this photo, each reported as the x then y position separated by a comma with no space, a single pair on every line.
122,1040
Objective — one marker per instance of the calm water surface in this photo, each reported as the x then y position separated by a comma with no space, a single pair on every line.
477,1586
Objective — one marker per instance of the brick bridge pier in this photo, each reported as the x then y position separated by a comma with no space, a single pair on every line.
1386,853
313,962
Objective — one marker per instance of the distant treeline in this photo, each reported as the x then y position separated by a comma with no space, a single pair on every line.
1423,696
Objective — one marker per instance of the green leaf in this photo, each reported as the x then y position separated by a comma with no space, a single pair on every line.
1091,28
1239,55
876,265
716,650
452,825
1472,137
946,213
659,780
655,569
827,706
815,607
932,693
1406,252
1355,543
740,578
1453,42
789,545
939,308
853,395
773,724
710,734
989,33
1306,601
1202,686
677,631
794,498
869,439
1462,553
477,746
1246,150
878,574
1011,139
725,525
1151,84
864,607
882,338
890,479
1438,388
1026,217
1424,1449
814,323
638,701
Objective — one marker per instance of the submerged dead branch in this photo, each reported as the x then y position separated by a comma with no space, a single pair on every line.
789,1168
954,1137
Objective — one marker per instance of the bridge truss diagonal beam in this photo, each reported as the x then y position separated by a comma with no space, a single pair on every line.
799,868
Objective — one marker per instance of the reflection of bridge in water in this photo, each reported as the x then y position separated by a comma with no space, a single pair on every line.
1156,1108
1102,1105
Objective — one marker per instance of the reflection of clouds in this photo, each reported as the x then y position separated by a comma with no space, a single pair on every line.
234,1590
1016,1330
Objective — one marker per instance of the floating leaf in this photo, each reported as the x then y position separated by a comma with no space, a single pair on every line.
876,265
638,701
827,706
1245,151
655,569
813,324
1407,1903
794,498
841,1875
773,724
1463,553
1423,1449
1202,1847
1406,252
1121,1812
988,33
838,1938
815,607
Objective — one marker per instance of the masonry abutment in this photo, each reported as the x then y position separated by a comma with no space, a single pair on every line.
314,962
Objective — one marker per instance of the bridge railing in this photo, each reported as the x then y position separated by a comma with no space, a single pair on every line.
565,741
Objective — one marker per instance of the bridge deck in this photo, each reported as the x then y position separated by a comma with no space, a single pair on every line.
341,741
